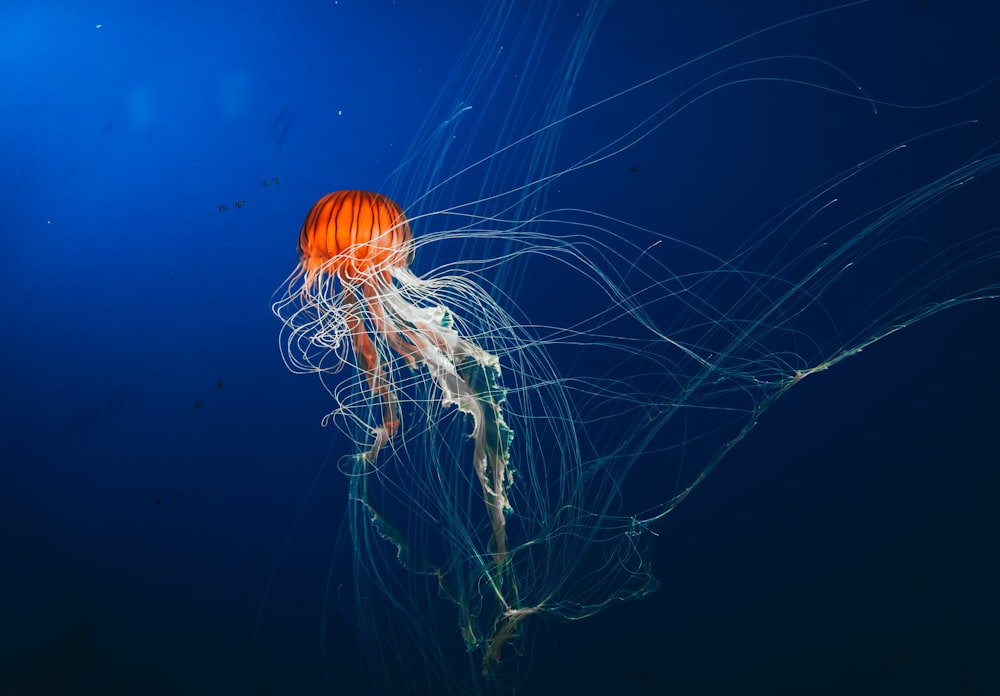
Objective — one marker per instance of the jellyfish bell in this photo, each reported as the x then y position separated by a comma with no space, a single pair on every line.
356,236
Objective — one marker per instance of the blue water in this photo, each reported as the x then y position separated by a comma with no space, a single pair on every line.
156,454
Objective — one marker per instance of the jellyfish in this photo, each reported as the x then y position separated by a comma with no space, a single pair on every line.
351,287
528,380
353,299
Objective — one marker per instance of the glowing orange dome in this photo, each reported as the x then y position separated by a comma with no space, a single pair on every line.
356,235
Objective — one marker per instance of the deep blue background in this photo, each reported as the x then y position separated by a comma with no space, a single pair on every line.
849,544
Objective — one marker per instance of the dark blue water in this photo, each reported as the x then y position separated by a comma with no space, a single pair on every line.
155,453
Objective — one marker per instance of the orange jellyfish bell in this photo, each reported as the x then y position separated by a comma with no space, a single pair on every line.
357,235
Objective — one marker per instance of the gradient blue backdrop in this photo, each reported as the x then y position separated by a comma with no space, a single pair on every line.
155,451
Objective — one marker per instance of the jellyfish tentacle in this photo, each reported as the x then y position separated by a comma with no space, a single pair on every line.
468,377
369,363
387,326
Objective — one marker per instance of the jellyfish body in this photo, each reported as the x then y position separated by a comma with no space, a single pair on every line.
630,378
355,248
